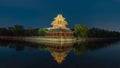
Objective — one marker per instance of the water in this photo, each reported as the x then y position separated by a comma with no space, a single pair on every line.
15,54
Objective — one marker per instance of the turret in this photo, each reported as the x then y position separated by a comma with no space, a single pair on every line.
59,22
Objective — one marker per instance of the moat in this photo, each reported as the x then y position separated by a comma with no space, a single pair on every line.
100,54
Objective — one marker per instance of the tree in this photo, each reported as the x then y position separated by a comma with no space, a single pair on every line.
42,32
97,32
3,31
17,30
81,31
31,31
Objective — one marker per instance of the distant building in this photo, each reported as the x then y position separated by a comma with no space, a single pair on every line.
59,27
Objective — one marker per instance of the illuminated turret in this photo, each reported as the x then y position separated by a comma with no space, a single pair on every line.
59,27
59,22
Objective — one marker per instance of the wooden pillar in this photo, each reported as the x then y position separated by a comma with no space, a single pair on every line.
54,34
62,34
51,34
67,34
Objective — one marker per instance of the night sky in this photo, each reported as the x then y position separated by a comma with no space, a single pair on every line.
39,13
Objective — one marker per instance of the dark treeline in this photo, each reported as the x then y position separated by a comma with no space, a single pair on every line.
83,31
19,30
96,32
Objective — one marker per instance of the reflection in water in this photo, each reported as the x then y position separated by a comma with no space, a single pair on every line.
58,50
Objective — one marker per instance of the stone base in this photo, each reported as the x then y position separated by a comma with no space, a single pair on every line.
50,39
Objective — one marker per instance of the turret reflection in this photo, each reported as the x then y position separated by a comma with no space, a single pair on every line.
59,50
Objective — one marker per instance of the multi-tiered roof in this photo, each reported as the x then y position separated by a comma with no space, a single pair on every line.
59,22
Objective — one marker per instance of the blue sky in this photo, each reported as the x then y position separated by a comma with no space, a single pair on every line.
39,13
